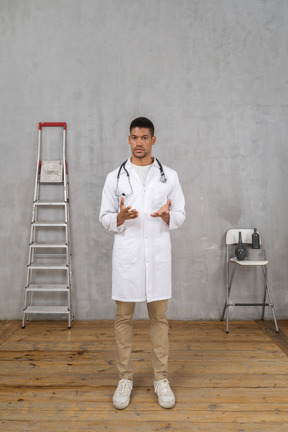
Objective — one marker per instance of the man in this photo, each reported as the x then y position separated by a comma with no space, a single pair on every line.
141,202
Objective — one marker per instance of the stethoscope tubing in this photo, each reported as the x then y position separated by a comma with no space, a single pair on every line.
163,178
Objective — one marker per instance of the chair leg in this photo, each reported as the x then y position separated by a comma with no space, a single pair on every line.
224,311
228,290
265,293
270,300
272,308
227,320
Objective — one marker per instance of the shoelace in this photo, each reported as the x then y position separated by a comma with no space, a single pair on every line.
162,385
123,384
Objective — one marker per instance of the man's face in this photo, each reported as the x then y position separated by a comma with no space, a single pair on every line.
141,142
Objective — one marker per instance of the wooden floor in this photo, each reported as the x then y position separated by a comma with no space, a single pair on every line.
55,379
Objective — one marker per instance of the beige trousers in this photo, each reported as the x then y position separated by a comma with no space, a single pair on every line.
158,335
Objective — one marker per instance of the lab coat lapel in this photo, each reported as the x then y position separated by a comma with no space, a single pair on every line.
153,172
134,176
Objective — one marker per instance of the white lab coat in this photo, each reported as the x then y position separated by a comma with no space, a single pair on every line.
141,259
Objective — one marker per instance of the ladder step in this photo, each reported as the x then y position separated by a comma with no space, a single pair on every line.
38,266
49,224
48,245
46,310
48,288
50,203
51,183
48,256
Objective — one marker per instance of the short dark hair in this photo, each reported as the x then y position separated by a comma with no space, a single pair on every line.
142,122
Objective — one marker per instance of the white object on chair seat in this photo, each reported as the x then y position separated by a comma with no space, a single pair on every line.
232,236
249,262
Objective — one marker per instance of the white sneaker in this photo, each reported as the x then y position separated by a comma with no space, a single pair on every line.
165,395
121,397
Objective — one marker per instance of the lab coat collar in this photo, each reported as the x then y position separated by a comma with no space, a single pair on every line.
129,165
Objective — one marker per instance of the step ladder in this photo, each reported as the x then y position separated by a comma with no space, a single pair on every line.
49,272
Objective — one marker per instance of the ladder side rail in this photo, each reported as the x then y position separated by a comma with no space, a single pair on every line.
38,166
70,293
33,228
34,210
64,165
67,209
68,254
36,188
66,200
68,234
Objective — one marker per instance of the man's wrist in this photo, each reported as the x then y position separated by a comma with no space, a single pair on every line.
166,218
120,220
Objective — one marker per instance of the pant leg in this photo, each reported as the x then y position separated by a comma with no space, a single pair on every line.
159,329
123,338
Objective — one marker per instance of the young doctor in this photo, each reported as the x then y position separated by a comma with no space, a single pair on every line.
141,202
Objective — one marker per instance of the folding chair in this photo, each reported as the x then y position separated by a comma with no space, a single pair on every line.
232,261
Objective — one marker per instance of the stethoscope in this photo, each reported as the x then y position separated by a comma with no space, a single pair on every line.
163,178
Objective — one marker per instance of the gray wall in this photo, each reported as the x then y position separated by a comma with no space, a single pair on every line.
211,74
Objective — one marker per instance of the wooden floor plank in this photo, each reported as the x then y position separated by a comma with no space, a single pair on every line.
54,379
192,380
27,344
152,413
204,397
175,355
10,409
118,426
39,369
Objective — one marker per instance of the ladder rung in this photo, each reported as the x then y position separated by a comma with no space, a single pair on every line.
48,245
49,256
51,182
46,310
50,203
38,266
41,288
49,224
251,304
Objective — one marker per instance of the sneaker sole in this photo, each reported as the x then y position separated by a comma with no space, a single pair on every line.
122,405
166,405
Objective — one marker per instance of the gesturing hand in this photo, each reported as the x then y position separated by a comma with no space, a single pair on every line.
125,213
163,212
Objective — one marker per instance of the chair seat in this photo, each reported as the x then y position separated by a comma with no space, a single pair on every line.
247,262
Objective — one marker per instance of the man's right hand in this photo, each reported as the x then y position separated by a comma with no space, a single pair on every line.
125,213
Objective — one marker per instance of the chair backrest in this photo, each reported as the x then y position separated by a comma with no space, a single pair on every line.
232,235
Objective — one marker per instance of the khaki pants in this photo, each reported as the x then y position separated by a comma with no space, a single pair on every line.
158,334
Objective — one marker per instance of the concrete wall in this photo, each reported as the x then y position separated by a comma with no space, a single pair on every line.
211,74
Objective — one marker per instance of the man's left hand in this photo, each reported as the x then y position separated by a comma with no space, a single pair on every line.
163,212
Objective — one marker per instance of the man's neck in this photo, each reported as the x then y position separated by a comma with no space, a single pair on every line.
142,162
